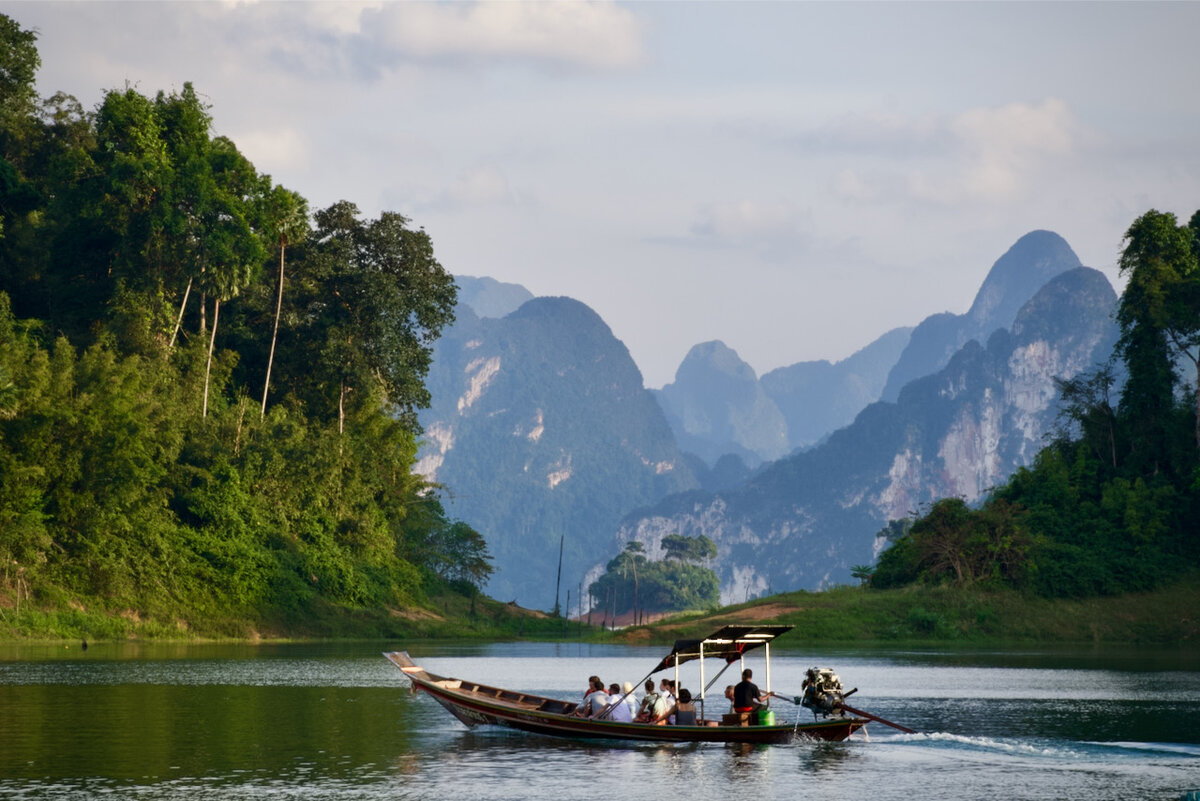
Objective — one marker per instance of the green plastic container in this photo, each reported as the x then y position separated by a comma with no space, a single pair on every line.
766,717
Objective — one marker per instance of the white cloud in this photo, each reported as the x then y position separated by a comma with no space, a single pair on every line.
478,187
1003,148
774,231
589,34
985,154
748,220
1017,128
274,150
339,17
482,186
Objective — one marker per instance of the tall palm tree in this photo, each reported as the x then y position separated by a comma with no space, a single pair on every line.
288,214
233,248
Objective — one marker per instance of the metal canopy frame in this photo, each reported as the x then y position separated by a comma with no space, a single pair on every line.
729,643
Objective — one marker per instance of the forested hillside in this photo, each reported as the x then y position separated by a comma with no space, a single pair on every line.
208,395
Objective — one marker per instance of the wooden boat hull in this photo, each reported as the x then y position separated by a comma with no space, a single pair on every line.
477,705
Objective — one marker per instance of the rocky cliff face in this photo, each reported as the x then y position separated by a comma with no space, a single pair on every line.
541,427
1013,280
803,521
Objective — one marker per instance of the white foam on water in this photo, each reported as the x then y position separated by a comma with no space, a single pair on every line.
1020,747
1184,749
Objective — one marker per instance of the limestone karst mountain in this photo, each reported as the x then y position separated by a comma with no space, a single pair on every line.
1015,278
803,521
541,429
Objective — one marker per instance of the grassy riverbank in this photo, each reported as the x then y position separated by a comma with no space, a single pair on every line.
938,615
945,615
449,615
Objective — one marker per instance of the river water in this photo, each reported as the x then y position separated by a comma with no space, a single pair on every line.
337,722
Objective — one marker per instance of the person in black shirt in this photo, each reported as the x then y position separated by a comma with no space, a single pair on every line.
746,695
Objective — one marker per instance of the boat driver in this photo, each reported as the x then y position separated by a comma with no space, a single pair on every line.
746,695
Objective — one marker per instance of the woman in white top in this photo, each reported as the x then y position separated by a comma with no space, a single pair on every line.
668,698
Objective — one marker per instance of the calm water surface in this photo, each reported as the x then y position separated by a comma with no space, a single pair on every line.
337,721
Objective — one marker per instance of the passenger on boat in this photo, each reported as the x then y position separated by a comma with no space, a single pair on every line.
631,700
617,710
682,712
668,694
646,710
595,702
746,695
729,695
685,710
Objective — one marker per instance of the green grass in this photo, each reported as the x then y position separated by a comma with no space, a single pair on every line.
911,615
970,616
444,616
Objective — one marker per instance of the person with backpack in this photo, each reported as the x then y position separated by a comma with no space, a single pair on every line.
650,701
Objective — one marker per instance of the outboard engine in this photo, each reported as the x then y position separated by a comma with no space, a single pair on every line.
823,692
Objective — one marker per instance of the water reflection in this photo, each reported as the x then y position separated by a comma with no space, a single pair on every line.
338,722
826,757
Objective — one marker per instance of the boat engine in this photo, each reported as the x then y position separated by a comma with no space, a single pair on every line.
823,692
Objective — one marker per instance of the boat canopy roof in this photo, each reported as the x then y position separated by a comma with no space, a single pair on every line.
728,643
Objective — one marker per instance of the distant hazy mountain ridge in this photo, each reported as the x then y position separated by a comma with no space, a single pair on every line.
488,297
819,397
1013,280
541,427
804,520
716,406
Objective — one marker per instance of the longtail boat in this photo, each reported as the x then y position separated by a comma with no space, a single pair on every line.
478,704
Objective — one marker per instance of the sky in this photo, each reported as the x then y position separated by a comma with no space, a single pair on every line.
791,178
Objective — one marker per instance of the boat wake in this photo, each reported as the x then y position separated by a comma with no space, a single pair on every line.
1051,748
1142,749
991,744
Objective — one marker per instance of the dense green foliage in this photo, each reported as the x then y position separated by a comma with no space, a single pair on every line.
681,580
139,311
1112,505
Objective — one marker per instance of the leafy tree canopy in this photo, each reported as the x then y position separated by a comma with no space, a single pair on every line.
138,312
680,581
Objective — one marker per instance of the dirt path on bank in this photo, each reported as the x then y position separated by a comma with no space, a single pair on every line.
752,614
